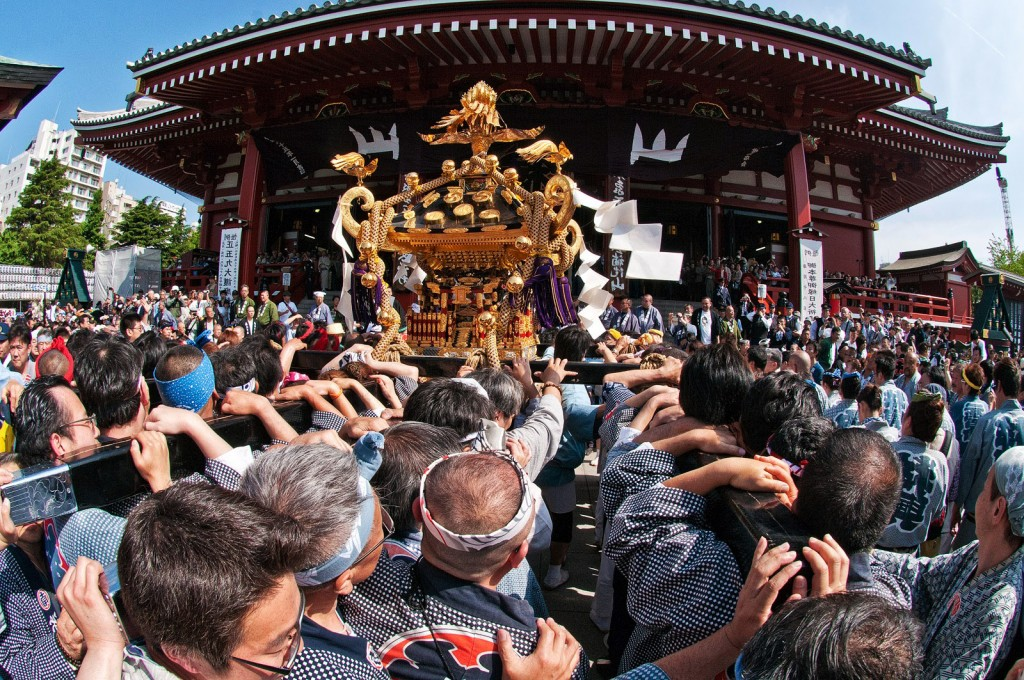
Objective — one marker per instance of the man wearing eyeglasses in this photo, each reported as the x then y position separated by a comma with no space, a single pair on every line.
320,488
233,612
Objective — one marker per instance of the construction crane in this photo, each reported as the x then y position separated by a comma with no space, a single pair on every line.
1006,207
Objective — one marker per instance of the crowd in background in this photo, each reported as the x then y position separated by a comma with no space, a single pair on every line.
390,537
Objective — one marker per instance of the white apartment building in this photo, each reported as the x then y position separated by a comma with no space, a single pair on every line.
85,169
117,201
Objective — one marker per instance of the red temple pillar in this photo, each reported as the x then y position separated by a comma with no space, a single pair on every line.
250,209
713,187
798,215
206,221
868,214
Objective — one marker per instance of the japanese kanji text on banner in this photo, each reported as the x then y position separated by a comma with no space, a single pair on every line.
812,283
230,250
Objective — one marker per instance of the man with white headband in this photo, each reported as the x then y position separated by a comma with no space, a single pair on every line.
320,488
969,600
440,617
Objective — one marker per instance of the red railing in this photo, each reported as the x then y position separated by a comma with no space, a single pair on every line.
913,305
184,278
273,277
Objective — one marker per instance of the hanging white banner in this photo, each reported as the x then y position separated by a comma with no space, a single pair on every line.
230,252
812,277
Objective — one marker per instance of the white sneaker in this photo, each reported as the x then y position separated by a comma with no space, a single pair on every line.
556,577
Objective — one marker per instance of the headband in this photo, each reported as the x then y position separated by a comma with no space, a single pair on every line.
925,395
963,374
369,450
249,386
474,542
350,550
201,339
796,469
192,390
1009,480
474,384
855,374
614,333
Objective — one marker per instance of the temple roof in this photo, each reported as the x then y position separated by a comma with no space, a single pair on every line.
20,82
947,255
940,119
720,9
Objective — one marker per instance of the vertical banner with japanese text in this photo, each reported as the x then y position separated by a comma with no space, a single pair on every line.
812,277
619,189
230,251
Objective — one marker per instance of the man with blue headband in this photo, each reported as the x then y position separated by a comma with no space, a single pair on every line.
320,487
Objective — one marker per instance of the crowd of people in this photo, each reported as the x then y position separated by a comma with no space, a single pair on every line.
390,539
703,276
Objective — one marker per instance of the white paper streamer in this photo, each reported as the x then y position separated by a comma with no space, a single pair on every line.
654,266
596,297
585,200
644,238
338,233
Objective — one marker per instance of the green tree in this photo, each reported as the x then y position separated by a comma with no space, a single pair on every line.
43,226
11,250
145,225
181,239
1005,255
92,228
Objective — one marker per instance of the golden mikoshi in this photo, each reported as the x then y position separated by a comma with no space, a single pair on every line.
495,254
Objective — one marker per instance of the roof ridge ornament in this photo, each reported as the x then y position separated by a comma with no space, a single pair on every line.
477,123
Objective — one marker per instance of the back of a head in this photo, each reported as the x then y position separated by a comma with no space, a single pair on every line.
843,636
177,362
314,484
108,374
849,388
233,367
925,413
713,383
39,414
52,362
885,363
193,562
872,396
504,391
269,371
801,362
409,448
850,489
1006,374
473,494
153,348
800,439
770,402
937,376
443,402
571,343
79,339
758,356
974,378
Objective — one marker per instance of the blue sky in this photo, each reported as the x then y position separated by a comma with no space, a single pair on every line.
975,47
